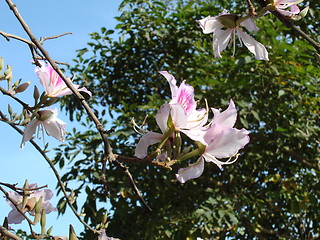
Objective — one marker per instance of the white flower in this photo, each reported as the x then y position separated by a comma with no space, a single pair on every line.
16,217
48,120
224,29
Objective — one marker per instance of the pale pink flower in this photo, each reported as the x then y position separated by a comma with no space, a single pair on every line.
221,141
282,5
48,120
103,236
53,83
223,34
183,113
16,217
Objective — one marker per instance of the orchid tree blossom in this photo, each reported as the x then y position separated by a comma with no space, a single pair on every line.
282,5
16,217
53,83
221,141
48,120
224,28
180,114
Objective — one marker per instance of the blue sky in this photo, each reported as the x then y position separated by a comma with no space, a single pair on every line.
45,18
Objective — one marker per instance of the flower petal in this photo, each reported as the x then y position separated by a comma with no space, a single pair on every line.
250,25
55,127
221,39
15,217
145,141
209,25
29,131
225,142
227,118
172,82
259,51
192,171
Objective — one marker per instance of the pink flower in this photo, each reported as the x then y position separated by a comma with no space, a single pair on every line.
281,5
224,29
181,112
16,217
220,140
49,121
53,83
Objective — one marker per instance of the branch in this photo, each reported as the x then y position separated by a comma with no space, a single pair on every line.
107,148
288,23
24,105
53,37
8,36
19,210
9,234
61,184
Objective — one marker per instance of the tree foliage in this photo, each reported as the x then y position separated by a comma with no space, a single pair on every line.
272,192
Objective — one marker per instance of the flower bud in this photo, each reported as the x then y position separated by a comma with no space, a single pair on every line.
22,87
36,94
31,203
72,235
1,63
38,205
43,221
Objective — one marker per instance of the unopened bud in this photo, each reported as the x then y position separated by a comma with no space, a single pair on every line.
72,235
1,63
22,87
43,221
31,203
25,194
36,94
38,206
228,20
49,230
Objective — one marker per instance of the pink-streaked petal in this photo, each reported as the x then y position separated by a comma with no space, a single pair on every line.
259,51
227,118
250,25
192,171
209,25
172,82
145,141
29,130
14,217
185,96
226,142
220,41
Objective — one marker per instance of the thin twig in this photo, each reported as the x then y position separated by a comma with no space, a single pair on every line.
24,105
132,183
19,210
8,36
107,148
21,190
53,37
61,184
288,23
251,8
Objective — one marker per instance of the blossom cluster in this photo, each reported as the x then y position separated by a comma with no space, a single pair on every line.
226,26
215,139
47,119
